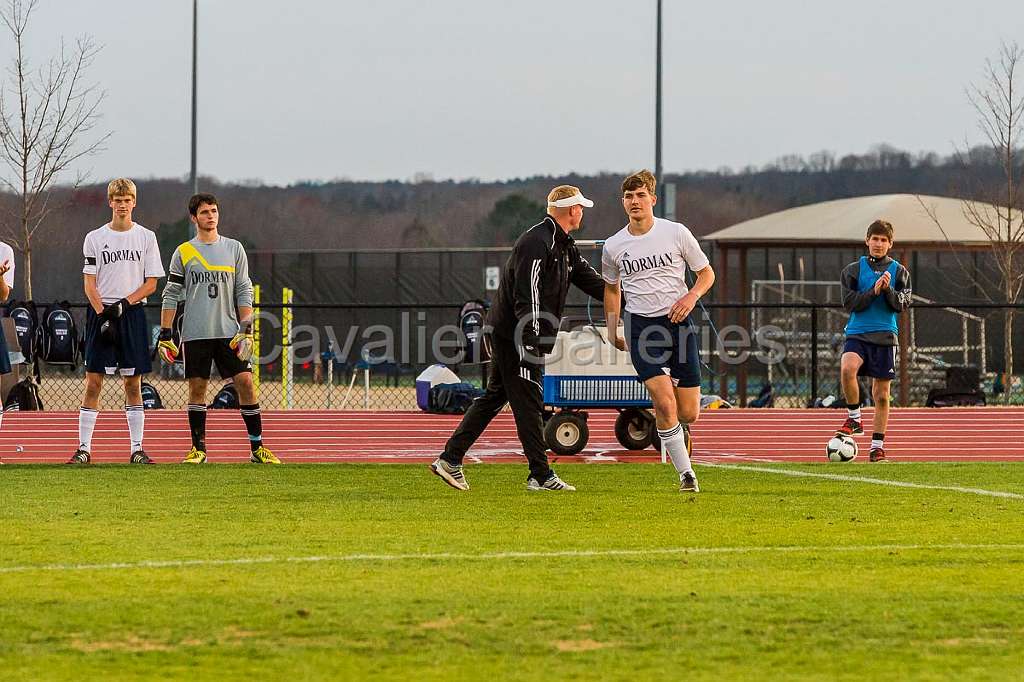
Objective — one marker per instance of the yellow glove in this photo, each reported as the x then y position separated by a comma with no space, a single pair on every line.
166,347
242,342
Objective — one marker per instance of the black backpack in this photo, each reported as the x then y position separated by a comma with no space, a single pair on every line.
472,319
226,398
452,398
151,397
24,397
58,336
26,324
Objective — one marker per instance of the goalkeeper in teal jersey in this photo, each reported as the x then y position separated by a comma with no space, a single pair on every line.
210,274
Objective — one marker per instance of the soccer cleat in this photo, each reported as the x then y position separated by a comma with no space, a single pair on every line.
877,455
140,457
553,482
194,456
263,456
80,457
450,474
688,483
850,427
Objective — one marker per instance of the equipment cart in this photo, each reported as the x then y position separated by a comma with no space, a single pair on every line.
583,372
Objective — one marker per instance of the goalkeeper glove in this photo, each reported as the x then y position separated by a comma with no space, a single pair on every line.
166,347
242,342
115,310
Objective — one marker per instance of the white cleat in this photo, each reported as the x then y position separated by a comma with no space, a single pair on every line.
450,474
553,482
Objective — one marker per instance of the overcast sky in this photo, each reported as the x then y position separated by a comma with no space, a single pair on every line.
325,89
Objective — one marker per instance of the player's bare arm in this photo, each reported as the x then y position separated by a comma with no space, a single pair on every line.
685,305
5,290
612,306
92,293
148,288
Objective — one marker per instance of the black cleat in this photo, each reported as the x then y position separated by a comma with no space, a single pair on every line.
140,457
688,483
877,455
80,457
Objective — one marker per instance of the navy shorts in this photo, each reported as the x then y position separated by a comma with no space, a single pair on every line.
130,354
5,359
879,361
658,346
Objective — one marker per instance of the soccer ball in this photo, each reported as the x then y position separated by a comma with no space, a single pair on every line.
841,448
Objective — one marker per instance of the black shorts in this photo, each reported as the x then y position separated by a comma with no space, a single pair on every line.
659,346
130,352
879,361
200,354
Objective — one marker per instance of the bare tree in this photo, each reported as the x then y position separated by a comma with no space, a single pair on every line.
996,208
46,116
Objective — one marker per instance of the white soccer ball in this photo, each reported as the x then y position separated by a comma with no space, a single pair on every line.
841,448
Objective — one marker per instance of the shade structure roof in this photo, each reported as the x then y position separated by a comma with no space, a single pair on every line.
845,221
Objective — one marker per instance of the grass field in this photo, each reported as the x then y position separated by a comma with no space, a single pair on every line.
374,571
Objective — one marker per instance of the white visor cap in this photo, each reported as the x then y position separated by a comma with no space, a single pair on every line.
575,199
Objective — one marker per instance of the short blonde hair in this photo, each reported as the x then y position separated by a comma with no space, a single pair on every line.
562,192
121,187
644,178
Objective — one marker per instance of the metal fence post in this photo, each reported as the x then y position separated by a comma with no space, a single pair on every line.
814,356
287,400
256,337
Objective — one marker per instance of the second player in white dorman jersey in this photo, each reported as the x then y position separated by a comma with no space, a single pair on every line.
121,261
652,266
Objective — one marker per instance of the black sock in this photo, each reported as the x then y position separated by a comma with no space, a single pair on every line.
197,425
253,424
877,439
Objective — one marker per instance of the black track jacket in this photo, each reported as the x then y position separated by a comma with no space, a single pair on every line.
534,284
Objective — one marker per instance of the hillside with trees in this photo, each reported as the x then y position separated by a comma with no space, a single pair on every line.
363,215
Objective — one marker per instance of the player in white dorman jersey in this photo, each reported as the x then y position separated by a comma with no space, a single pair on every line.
647,259
122,265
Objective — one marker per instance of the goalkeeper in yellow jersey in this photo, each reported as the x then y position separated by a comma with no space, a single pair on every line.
210,274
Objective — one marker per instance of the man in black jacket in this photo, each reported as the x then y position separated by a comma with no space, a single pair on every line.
521,329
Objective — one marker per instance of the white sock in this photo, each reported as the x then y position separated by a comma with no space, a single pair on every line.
86,425
853,412
136,416
877,443
674,442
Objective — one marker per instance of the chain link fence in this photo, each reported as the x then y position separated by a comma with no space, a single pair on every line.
367,356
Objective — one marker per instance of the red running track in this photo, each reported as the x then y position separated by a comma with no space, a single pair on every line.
914,434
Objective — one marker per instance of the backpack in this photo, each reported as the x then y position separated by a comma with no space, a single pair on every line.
452,398
471,324
58,336
26,323
151,397
226,398
24,397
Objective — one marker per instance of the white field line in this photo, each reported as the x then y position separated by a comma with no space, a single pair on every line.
504,556
864,479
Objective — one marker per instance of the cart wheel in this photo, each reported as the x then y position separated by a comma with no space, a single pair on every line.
634,429
566,433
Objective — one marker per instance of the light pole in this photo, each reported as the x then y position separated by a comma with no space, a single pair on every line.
659,208
193,177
